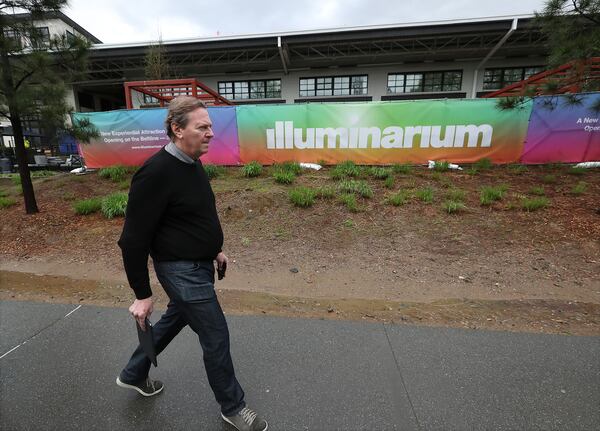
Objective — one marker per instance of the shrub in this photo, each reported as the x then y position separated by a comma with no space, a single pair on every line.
302,196
213,171
349,199
399,198
345,169
88,206
456,195
534,203
441,166
354,186
380,173
284,177
293,167
537,190
114,205
389,182
576,171
452,206
404,169
325,192
491,194
6,202
579,188
116,173
483,164
252,169
425,194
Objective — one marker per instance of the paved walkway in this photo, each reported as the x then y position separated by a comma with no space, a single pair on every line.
59,362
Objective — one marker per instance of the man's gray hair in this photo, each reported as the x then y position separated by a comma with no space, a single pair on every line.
179,108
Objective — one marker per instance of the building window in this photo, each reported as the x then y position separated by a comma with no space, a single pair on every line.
40,37
70,36
497,78
257,89
354,85
14,37
424,82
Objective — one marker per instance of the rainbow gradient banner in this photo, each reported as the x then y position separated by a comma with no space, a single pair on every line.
376,133
129,137
563,131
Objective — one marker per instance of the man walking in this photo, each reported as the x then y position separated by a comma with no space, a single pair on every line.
172,216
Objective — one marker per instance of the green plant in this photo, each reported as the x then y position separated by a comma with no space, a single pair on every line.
293,167
124,185
425,194
552,166
16,179
252,169
88,206
245,241
549,179
574,170
441,166
6,202
116,173
517,169
472,171
349,199
404,169
345,169
579,188
453,206
356,186
456,194
3,193
436,176
389,182
380,173
302,196
537,190
284,177
490,194
114,205
534,204
483,164
348,223
68,196
213,171
399,198
325,192
42,174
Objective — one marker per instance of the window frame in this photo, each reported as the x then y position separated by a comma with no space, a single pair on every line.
503,82
422,83
332,86
272,91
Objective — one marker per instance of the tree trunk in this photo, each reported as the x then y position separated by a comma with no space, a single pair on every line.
15,121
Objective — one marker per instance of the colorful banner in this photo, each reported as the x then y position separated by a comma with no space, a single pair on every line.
564,129
382,132
129,137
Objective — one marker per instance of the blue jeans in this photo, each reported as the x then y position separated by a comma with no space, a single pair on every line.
190,287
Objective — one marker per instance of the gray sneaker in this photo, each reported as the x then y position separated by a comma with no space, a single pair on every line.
246,420
146,387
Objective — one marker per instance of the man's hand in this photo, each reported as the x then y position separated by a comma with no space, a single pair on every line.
140,309
221,264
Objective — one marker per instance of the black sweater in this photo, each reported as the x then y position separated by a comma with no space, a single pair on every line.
171,215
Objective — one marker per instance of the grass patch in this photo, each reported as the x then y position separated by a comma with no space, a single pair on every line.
348,223
3,193
252,169
349,200
325,192
16,179
552,166
116,173
302,196
549,179
284,177
42,174
425,194
537,190
403,169
484,164
124,185
293,167
490,194
114,205
441,166
399,198
517,169
355,186
380,173
472,171
573,170
579,188
6,202
456,195
344,170
213,171
68,196
453,206
88,206
534,204
389,182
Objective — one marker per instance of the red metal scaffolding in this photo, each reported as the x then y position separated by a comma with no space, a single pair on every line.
162,91
568,78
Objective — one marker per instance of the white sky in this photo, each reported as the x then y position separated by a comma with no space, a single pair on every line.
117,21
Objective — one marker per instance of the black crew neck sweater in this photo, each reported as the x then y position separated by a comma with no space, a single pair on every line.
171,215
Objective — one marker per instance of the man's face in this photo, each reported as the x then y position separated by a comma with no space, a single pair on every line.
195,137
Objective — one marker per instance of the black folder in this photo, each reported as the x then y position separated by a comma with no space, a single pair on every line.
147,341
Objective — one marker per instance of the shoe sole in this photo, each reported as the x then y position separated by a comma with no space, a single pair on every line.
125,385
233,425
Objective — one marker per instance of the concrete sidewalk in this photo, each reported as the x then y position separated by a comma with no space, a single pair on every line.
299,374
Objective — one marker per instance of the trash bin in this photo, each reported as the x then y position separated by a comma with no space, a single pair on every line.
5,166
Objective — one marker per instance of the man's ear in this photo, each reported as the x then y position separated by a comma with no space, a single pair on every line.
175,128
